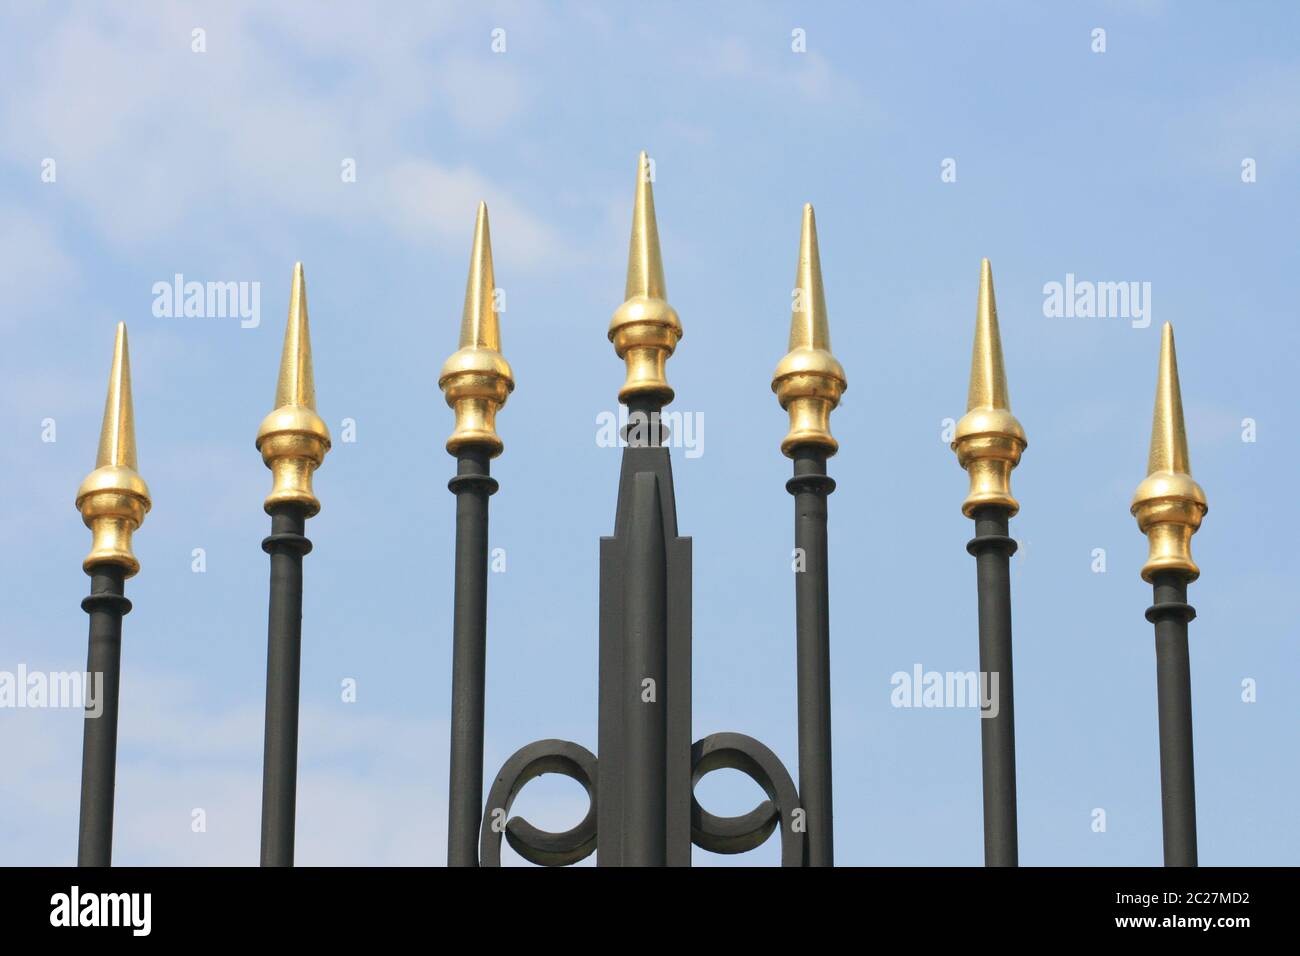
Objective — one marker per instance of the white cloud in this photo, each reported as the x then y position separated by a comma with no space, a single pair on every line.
809,76
151,137
371,787
424,200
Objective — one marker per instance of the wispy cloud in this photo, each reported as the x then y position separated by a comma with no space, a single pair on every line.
149,135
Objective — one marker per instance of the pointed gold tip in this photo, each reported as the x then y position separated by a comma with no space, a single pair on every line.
1168,433
1169,505
478,326
295,385
114,499
988,376
645,264
988,440
292,438
809,381
809,328
117,435
645,329
477,379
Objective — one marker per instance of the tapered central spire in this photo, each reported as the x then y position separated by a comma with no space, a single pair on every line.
293,439
114,499
809,324
988,440
476,379
296,385
645,264
809,381
645,329
988,377
1169,505
117,435
479,328
1168,433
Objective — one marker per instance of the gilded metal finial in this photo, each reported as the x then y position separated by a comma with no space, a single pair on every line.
476,379
293,439
1169,504
114,499
809,381
989,440
645,329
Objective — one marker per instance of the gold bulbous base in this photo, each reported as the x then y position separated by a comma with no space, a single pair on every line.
1169,507
476,383
645,332
113,501
809,383
989,443
293,441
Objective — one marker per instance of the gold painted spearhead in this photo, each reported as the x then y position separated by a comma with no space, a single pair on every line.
476,379
645,329
989,440
293,439
1169,504
114,499
809,381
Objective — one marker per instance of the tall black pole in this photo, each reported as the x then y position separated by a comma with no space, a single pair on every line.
1170,613
286,545
471,486
810,487
809,382
992,548
113,500
106,607
1169,506
475,380
293,441
989,442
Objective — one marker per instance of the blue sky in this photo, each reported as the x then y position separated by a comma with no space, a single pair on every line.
225,166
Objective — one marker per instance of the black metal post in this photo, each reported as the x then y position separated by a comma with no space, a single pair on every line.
1170,613
810,487
106,607
644,767
286,545
645,671
992,548
472,486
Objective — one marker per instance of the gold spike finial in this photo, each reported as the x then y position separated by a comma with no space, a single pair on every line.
114,499
1169,505
477,379
645,329
989,440
293,439
809,381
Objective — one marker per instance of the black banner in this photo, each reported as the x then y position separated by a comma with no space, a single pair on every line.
334,905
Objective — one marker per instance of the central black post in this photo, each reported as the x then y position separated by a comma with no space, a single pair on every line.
286,545
992,548
645,667
810,487
1170,613
106,607
644,750
472,486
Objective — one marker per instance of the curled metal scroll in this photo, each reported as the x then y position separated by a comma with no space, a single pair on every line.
743,833
533,844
